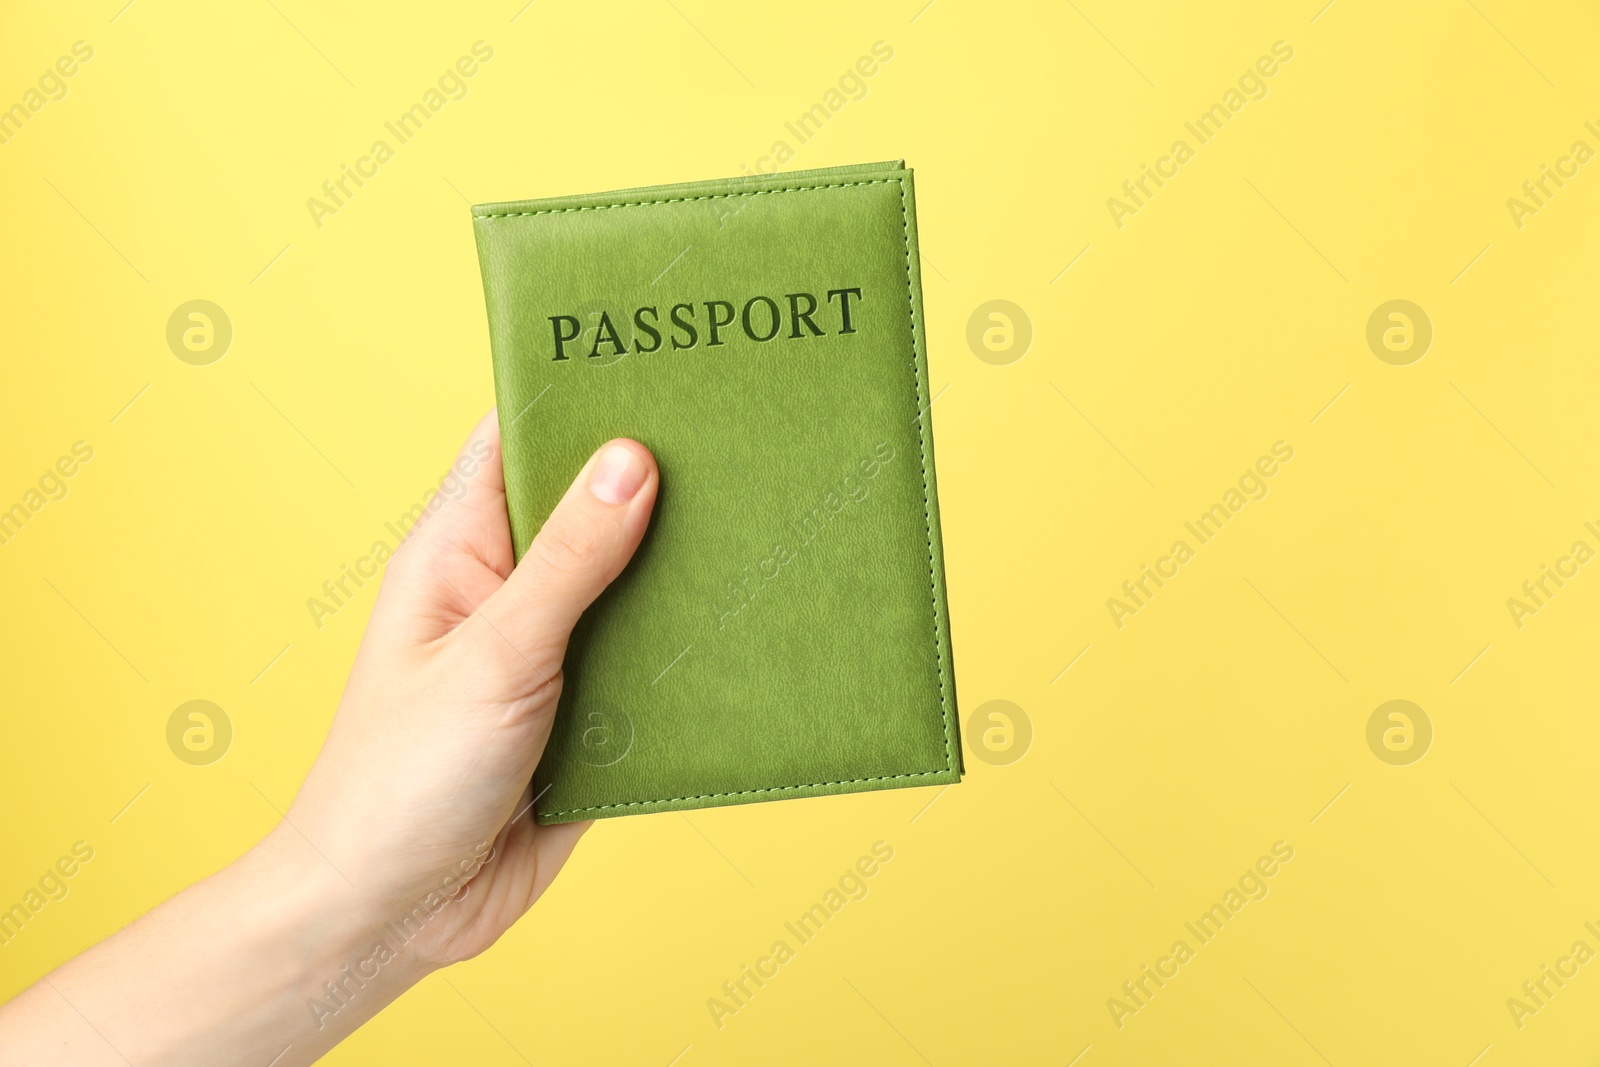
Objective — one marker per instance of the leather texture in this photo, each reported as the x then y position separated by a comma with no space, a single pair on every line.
782,631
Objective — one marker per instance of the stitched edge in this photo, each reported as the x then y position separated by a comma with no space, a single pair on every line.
691,199
927,502
749,792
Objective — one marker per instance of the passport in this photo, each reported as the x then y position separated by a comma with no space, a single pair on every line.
782,631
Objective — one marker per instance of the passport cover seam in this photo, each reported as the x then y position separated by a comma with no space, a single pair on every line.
917,364
710,196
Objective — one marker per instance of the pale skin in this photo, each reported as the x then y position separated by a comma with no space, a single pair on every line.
412,829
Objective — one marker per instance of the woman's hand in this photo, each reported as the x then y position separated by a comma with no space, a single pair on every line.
411,844
453,693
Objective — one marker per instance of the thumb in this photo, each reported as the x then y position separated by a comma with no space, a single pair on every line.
580,549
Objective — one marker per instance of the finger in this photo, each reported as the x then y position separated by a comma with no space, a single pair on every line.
453,545
475,464
552,847
580,549
527,860
466,509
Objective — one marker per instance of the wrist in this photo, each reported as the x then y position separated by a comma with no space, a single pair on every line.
339,953
273,959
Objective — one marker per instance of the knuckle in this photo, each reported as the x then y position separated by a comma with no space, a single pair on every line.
567,547
512,668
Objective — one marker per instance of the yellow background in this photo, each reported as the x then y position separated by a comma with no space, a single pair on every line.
1222,317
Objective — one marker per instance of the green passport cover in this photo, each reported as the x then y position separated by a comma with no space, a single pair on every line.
782,630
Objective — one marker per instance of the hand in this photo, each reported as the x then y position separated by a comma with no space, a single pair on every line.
452,698
411,843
